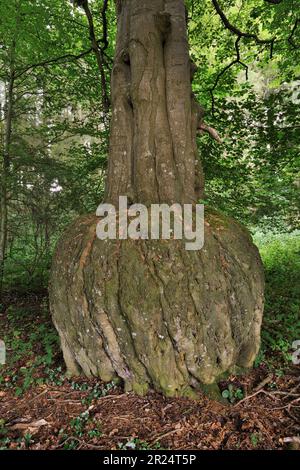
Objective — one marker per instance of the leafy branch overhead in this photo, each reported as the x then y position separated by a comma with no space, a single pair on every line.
241,34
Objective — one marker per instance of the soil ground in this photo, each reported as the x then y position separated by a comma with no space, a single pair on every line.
42,409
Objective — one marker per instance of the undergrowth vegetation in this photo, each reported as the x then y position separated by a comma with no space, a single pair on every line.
281,323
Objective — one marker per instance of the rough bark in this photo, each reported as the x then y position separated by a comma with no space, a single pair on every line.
153,149
154,314
151,312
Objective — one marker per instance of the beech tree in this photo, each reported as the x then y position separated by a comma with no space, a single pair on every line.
148,311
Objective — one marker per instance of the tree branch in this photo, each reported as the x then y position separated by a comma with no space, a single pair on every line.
233,29
237,60
290,38
52,61
97,50
241,34
104,39
211,131
69,20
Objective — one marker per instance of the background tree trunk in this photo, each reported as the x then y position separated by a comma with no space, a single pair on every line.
8,114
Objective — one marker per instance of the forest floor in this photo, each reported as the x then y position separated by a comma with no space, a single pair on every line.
42,409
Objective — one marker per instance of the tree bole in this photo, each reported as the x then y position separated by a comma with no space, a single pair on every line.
153,154
148,311
154,314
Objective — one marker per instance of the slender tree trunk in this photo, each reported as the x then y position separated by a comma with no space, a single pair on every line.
5,175
153,153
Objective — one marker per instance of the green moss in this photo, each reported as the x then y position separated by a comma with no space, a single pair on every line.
212,391
140,389
189,392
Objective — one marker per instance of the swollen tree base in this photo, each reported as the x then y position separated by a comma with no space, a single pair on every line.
153,314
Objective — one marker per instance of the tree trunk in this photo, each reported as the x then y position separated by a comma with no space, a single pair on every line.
5,175
146,311
153,152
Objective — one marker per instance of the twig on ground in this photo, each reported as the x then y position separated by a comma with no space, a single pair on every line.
264,382
254,395
162,436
